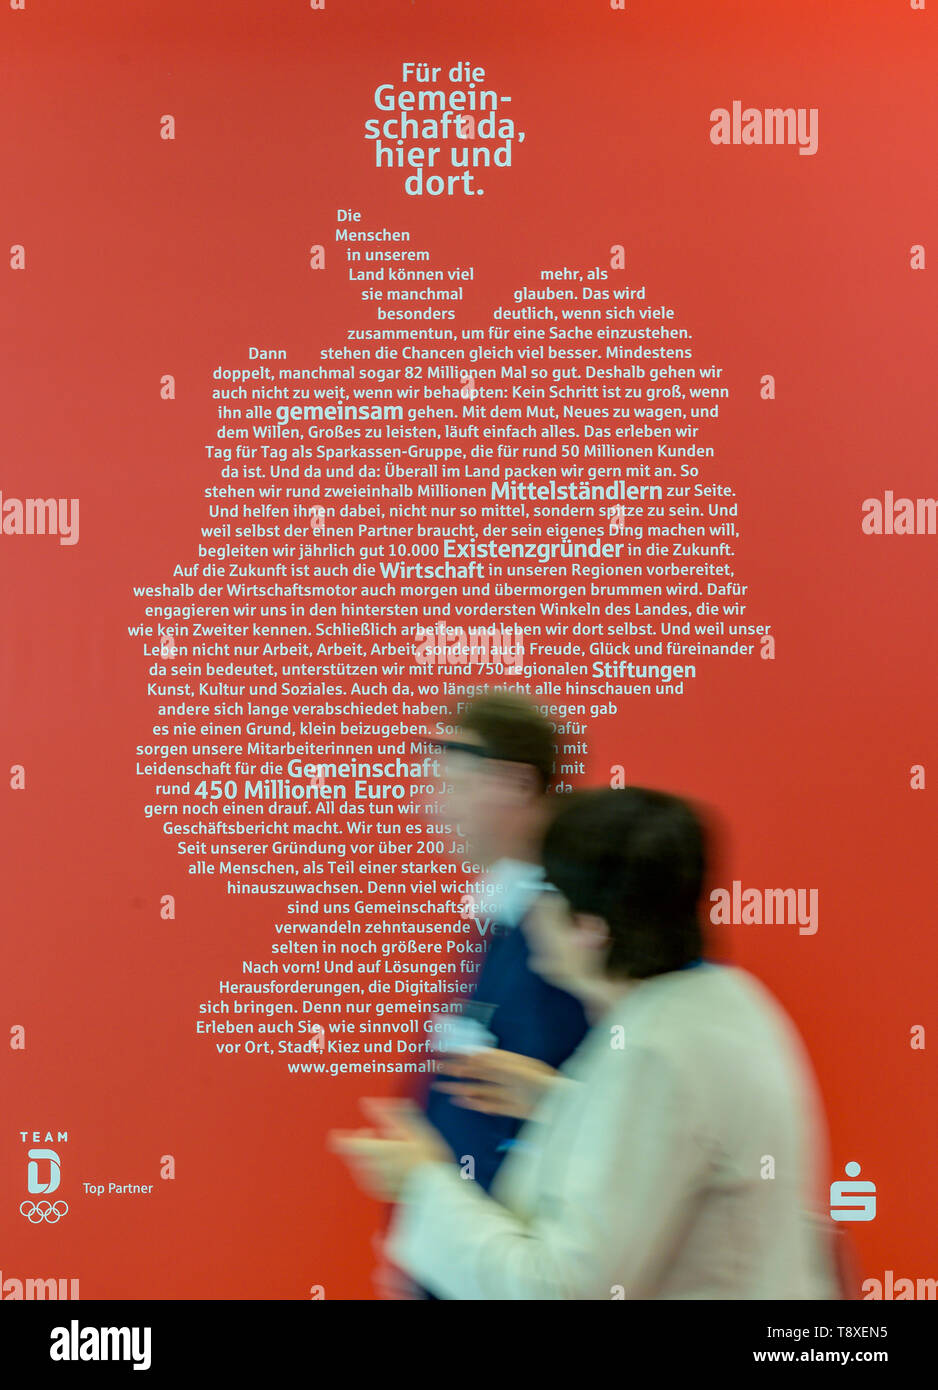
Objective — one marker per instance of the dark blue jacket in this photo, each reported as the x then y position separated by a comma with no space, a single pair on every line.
531,1017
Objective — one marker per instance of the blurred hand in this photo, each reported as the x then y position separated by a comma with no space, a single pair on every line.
382,1162
390,1282
497,1082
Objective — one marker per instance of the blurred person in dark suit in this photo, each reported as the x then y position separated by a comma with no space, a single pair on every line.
676,1155
498,769
498,766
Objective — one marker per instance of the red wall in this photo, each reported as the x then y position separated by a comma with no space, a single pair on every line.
147,257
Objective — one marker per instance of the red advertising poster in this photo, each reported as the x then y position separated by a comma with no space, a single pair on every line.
365,359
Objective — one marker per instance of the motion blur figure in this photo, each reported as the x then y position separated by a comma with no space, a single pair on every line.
676,1155
498,770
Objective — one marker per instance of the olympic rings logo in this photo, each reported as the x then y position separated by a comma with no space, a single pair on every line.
44,1211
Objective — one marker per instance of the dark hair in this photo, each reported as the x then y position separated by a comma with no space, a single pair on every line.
635,858
513,729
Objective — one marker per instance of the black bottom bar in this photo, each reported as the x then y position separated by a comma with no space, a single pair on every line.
345,1339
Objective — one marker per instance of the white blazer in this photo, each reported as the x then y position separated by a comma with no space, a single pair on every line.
677,1158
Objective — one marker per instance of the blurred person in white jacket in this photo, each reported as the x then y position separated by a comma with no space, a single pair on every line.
677,1154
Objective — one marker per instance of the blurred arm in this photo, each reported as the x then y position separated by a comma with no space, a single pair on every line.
618,1167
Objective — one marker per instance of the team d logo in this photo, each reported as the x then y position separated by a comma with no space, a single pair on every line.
43,1175
44,1178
